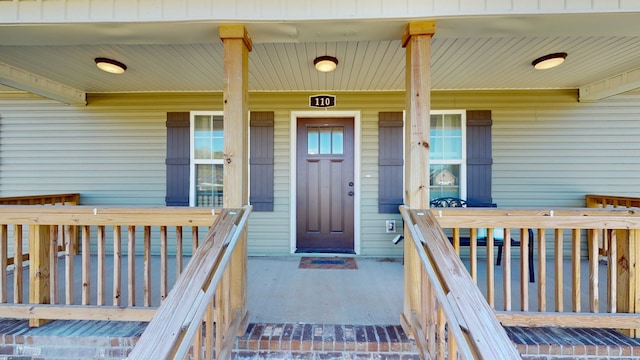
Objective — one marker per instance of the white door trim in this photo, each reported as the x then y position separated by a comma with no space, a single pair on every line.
356,168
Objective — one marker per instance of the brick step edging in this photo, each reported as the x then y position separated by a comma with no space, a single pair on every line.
303,337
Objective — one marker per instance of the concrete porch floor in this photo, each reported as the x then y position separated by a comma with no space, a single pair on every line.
280,292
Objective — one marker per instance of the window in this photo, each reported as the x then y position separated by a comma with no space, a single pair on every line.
206,160
447,173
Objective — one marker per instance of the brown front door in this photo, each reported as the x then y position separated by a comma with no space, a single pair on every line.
325,185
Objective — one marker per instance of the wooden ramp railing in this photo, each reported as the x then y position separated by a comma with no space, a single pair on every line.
47,199
203,296
604,202
454,320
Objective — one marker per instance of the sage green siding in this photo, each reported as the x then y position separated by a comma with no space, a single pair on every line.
549,150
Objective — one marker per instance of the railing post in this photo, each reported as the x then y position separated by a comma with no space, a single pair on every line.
628,286
39,268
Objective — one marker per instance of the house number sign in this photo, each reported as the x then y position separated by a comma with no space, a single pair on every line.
322,101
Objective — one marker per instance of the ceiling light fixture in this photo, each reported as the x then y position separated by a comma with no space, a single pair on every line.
110,66
325,63
549,61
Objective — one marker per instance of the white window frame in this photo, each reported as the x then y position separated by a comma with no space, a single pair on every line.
192,161
463,161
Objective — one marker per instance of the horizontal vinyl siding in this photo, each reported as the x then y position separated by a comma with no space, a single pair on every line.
112,151
549,150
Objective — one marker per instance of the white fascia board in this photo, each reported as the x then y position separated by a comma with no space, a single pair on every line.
614,85
39,85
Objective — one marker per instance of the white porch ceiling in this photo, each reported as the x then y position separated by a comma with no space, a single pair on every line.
467,53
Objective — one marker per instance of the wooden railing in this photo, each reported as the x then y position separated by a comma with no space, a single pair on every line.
569,286
604,202
137,245
48,199
71,199
202,297
453,320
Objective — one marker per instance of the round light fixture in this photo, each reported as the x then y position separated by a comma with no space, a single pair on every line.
325,63
110,66
549,61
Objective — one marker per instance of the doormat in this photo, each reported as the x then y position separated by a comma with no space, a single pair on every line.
307,262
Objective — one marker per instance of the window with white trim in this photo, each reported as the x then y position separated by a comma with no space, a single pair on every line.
206,159
447,172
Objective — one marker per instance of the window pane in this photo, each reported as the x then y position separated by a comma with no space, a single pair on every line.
312,141
208,137
444,181
337,142
446,137
325,140
209,185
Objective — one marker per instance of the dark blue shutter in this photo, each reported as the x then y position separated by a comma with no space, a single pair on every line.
177,161
479,158
390,161
261,160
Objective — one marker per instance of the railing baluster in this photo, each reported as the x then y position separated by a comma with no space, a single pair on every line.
441,337
17,262
100,301
559,271
491,279
194,239
197,343
147,266
131,265
4,253
70,251
164,283
506,268
86,265
612,274
473,254
178,251
209,331
575,270
456,240
117,265
524,269
542,270
53,260
594,301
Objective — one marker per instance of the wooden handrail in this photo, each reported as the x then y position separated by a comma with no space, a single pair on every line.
607,201
471,322
173,329
595,201
47,199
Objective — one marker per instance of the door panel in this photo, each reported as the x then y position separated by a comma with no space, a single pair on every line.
325,188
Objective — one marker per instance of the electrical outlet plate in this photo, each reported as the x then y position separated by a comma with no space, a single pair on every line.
391,226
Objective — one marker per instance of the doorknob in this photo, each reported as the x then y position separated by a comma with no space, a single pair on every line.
350,183
350,193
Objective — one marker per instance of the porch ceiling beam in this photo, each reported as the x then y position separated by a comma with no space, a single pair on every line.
614,85
23,80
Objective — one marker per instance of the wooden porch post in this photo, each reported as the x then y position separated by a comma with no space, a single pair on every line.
628,273
39,268
237,45
417,42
